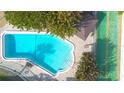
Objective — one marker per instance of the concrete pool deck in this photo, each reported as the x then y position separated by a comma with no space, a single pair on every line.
36,73
2,19
79,49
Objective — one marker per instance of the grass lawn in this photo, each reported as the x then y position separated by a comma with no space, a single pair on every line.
8,76
106,55
2,75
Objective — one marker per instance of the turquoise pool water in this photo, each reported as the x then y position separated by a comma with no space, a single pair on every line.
46,51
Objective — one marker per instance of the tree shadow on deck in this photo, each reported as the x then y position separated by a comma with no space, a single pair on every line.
86,25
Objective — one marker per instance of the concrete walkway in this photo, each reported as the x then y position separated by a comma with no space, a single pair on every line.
119,45
122,52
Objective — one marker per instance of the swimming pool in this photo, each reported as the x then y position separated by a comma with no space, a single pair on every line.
44,50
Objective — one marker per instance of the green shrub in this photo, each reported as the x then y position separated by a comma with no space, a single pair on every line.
87,69
29,65
60,23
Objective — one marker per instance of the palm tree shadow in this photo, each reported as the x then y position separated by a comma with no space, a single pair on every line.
106,57
44,49
41,54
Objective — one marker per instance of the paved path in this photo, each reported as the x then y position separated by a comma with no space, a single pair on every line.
119,45
122,52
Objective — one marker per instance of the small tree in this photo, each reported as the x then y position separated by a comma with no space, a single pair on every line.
29,65
87,69
60,23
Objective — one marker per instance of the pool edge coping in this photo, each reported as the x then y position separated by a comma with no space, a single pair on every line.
28,60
